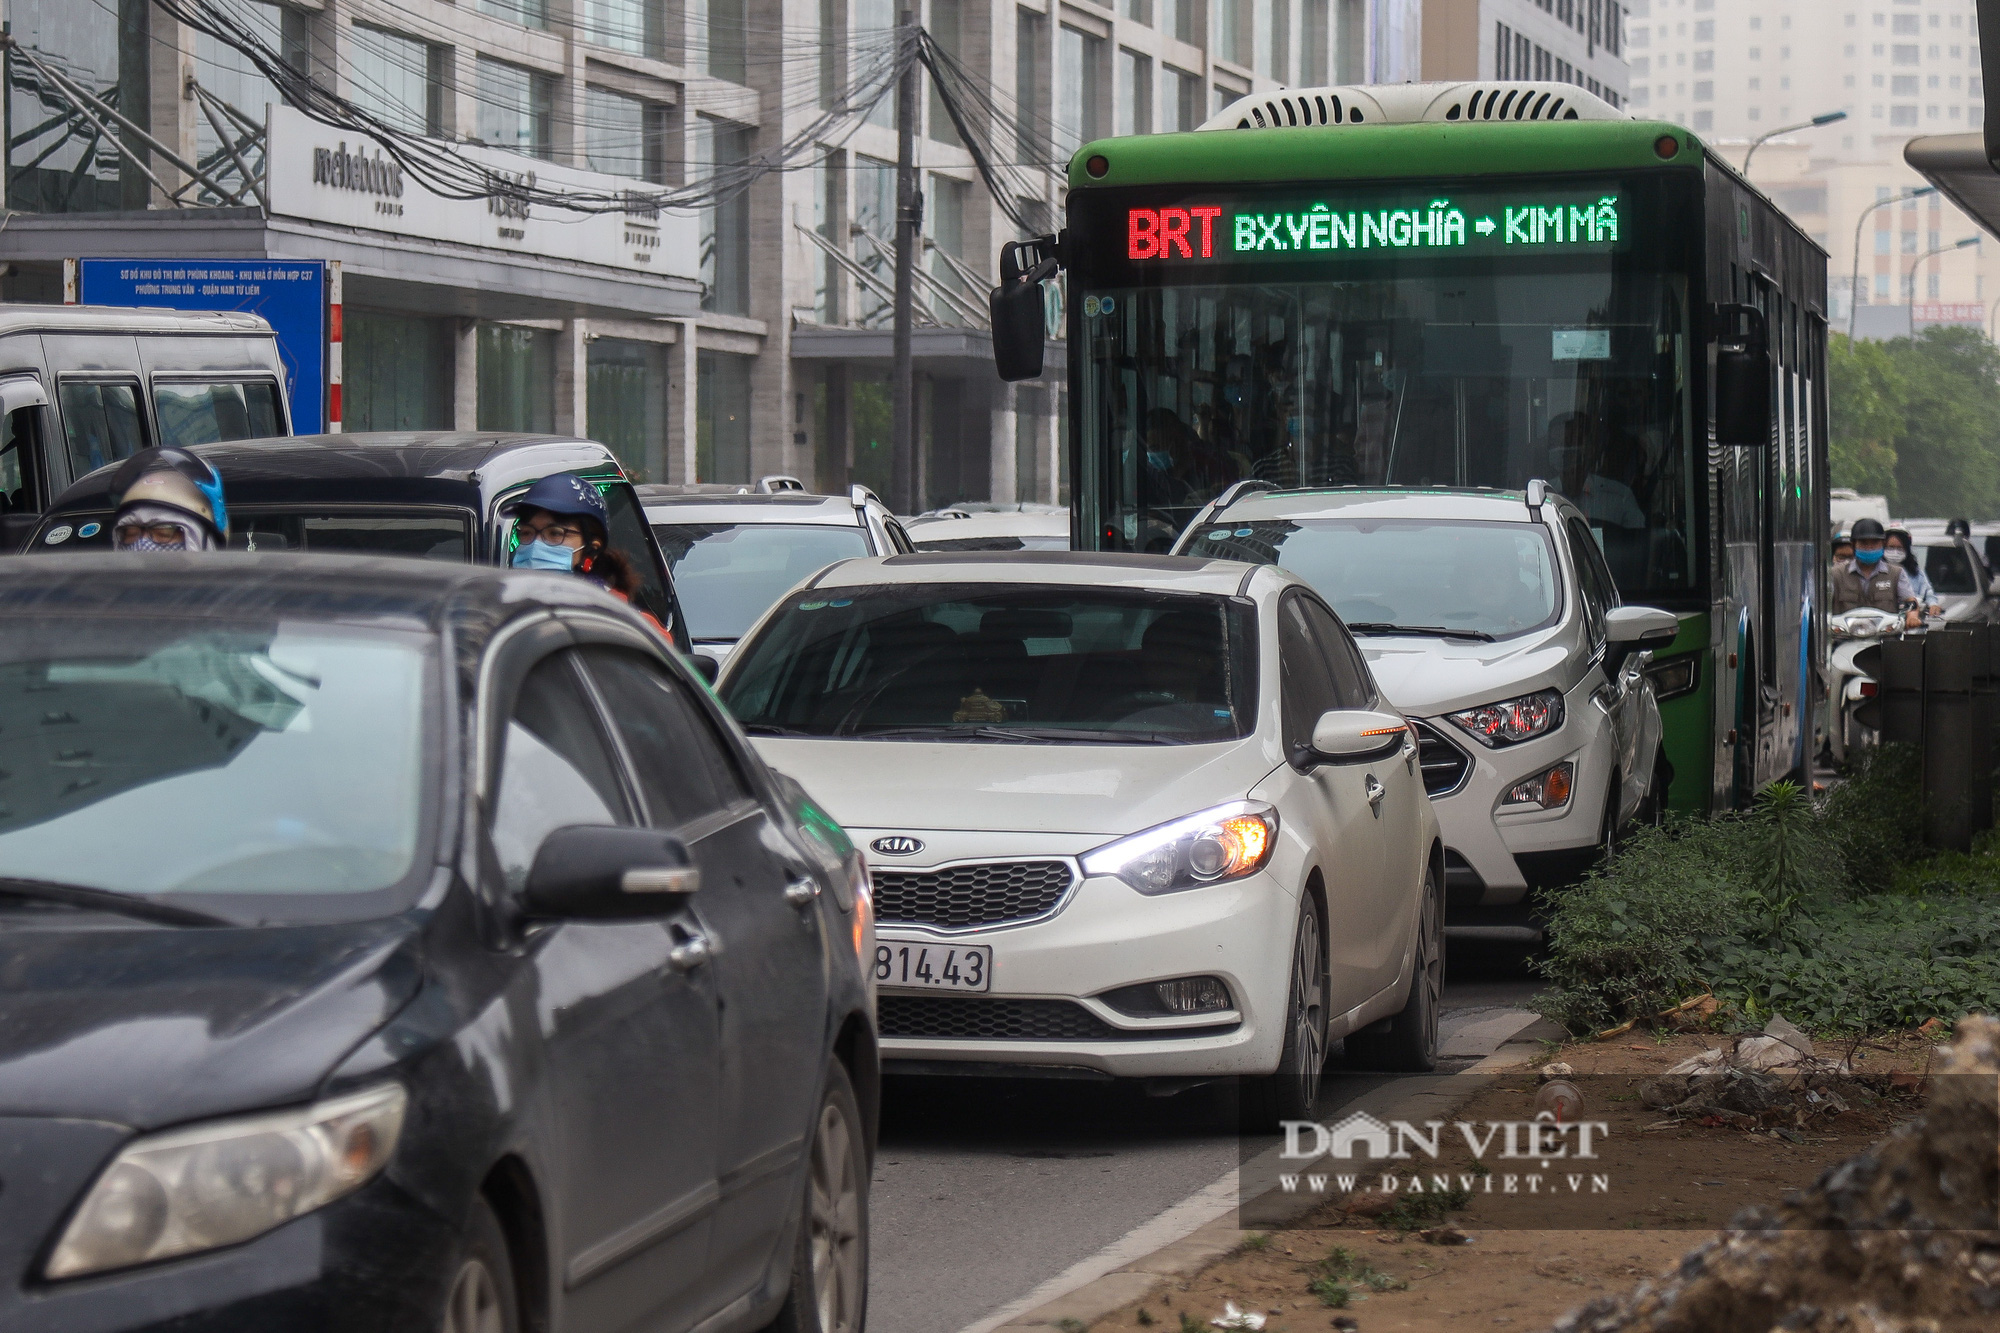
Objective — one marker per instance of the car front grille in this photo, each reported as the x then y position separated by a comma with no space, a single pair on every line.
1446,767
978,1018
974,895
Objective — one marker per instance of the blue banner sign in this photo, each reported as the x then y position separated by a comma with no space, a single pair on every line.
290,294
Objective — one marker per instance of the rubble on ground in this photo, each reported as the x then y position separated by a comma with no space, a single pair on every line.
1777,1079
1901,1239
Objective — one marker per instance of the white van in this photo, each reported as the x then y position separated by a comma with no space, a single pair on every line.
83,386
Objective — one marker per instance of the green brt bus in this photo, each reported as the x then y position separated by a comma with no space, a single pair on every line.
1468,285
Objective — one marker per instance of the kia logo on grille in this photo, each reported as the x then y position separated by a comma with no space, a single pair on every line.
897,844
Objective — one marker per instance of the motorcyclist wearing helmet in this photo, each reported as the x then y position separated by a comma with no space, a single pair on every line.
1900,550
1869,580
562,525
168,500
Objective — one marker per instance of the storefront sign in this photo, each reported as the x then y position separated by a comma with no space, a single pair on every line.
1925,313
322,174
291,295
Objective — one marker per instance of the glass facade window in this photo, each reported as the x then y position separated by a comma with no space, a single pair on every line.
56,161
1031,444
874,185
528,13
398,372
722,417
945,217
515,108
627,396
1314,44
623,135
517,378
637,26
946,29
396,78
1030,79
725,224
1228,30
1182,106
1080,57
873,42
1135,93
722,25
228,73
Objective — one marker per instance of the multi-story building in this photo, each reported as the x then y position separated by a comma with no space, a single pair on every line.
1735,73
754,338
1569,41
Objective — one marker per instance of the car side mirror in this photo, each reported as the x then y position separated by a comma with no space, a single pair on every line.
706,666
1356,735
1742,378
598,872
1641,626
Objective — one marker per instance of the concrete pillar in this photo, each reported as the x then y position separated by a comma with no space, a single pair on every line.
1001,428
573,377
681,466
465,379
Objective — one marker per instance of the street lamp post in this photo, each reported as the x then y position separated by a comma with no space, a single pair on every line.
1854,283
1816,122
1910,274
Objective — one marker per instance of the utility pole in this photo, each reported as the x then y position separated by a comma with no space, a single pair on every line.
909,224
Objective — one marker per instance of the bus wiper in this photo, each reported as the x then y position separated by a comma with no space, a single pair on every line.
1430,631
105,900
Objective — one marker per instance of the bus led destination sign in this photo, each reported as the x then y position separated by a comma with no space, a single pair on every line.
1492,227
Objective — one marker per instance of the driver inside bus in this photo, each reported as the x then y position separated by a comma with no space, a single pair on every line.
1577,457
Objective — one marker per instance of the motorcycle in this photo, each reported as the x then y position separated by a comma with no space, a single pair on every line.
1853,634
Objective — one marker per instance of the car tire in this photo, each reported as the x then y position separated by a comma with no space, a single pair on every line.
481,1297
829,1282
1291,1092
1408,1042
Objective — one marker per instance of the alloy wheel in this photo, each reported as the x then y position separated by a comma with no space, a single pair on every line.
474,1305
1309,1007
838,1282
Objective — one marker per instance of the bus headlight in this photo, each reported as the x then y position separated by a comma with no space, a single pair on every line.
1674,677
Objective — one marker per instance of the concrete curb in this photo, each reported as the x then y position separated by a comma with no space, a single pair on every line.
1203,1228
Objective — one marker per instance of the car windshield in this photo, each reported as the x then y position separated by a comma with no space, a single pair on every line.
432,535
728,574
272,770
1949,569
1481,578
1008,663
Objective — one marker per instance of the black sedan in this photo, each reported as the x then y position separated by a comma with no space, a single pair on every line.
389,944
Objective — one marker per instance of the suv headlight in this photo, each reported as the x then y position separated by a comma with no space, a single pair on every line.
1512,720
221,1183
1225,843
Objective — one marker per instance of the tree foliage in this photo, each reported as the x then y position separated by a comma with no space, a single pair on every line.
1918,420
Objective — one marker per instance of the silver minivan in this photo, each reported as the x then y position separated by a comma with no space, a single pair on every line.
83,386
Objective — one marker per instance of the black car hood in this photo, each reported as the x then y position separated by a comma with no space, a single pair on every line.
150,1026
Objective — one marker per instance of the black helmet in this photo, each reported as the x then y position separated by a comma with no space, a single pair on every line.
1865,528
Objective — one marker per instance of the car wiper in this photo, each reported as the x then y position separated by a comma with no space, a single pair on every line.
1429,631
1059,735
105,900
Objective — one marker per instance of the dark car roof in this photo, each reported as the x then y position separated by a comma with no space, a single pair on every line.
384,467
358,590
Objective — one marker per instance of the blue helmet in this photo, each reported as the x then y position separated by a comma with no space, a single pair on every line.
567,493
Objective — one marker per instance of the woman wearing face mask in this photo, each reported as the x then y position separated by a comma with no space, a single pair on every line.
1899,550
563,526
168,500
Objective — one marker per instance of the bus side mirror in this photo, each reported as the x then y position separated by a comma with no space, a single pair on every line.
1018,307
1742,378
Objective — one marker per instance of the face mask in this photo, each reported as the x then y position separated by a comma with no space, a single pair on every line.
1895,557
544,555
1869,557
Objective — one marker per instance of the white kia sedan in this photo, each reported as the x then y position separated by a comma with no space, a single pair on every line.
1127,815
1492,622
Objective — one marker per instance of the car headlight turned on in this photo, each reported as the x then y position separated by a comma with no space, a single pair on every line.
1549,789
1512,721
221,1183
1225,843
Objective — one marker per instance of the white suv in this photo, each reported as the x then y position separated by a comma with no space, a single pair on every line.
1490,619
1127,815
733,551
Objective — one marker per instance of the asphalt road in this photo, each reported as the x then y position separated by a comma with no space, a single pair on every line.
984,1189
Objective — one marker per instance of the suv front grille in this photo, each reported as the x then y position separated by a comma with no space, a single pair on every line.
970,1018
974,895
1446,767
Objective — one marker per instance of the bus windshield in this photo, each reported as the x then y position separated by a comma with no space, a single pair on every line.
1415,367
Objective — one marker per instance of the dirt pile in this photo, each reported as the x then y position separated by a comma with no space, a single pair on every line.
1900,1239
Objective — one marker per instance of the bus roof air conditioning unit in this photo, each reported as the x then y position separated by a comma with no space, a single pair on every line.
1413,104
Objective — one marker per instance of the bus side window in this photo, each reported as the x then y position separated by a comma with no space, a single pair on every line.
103,423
